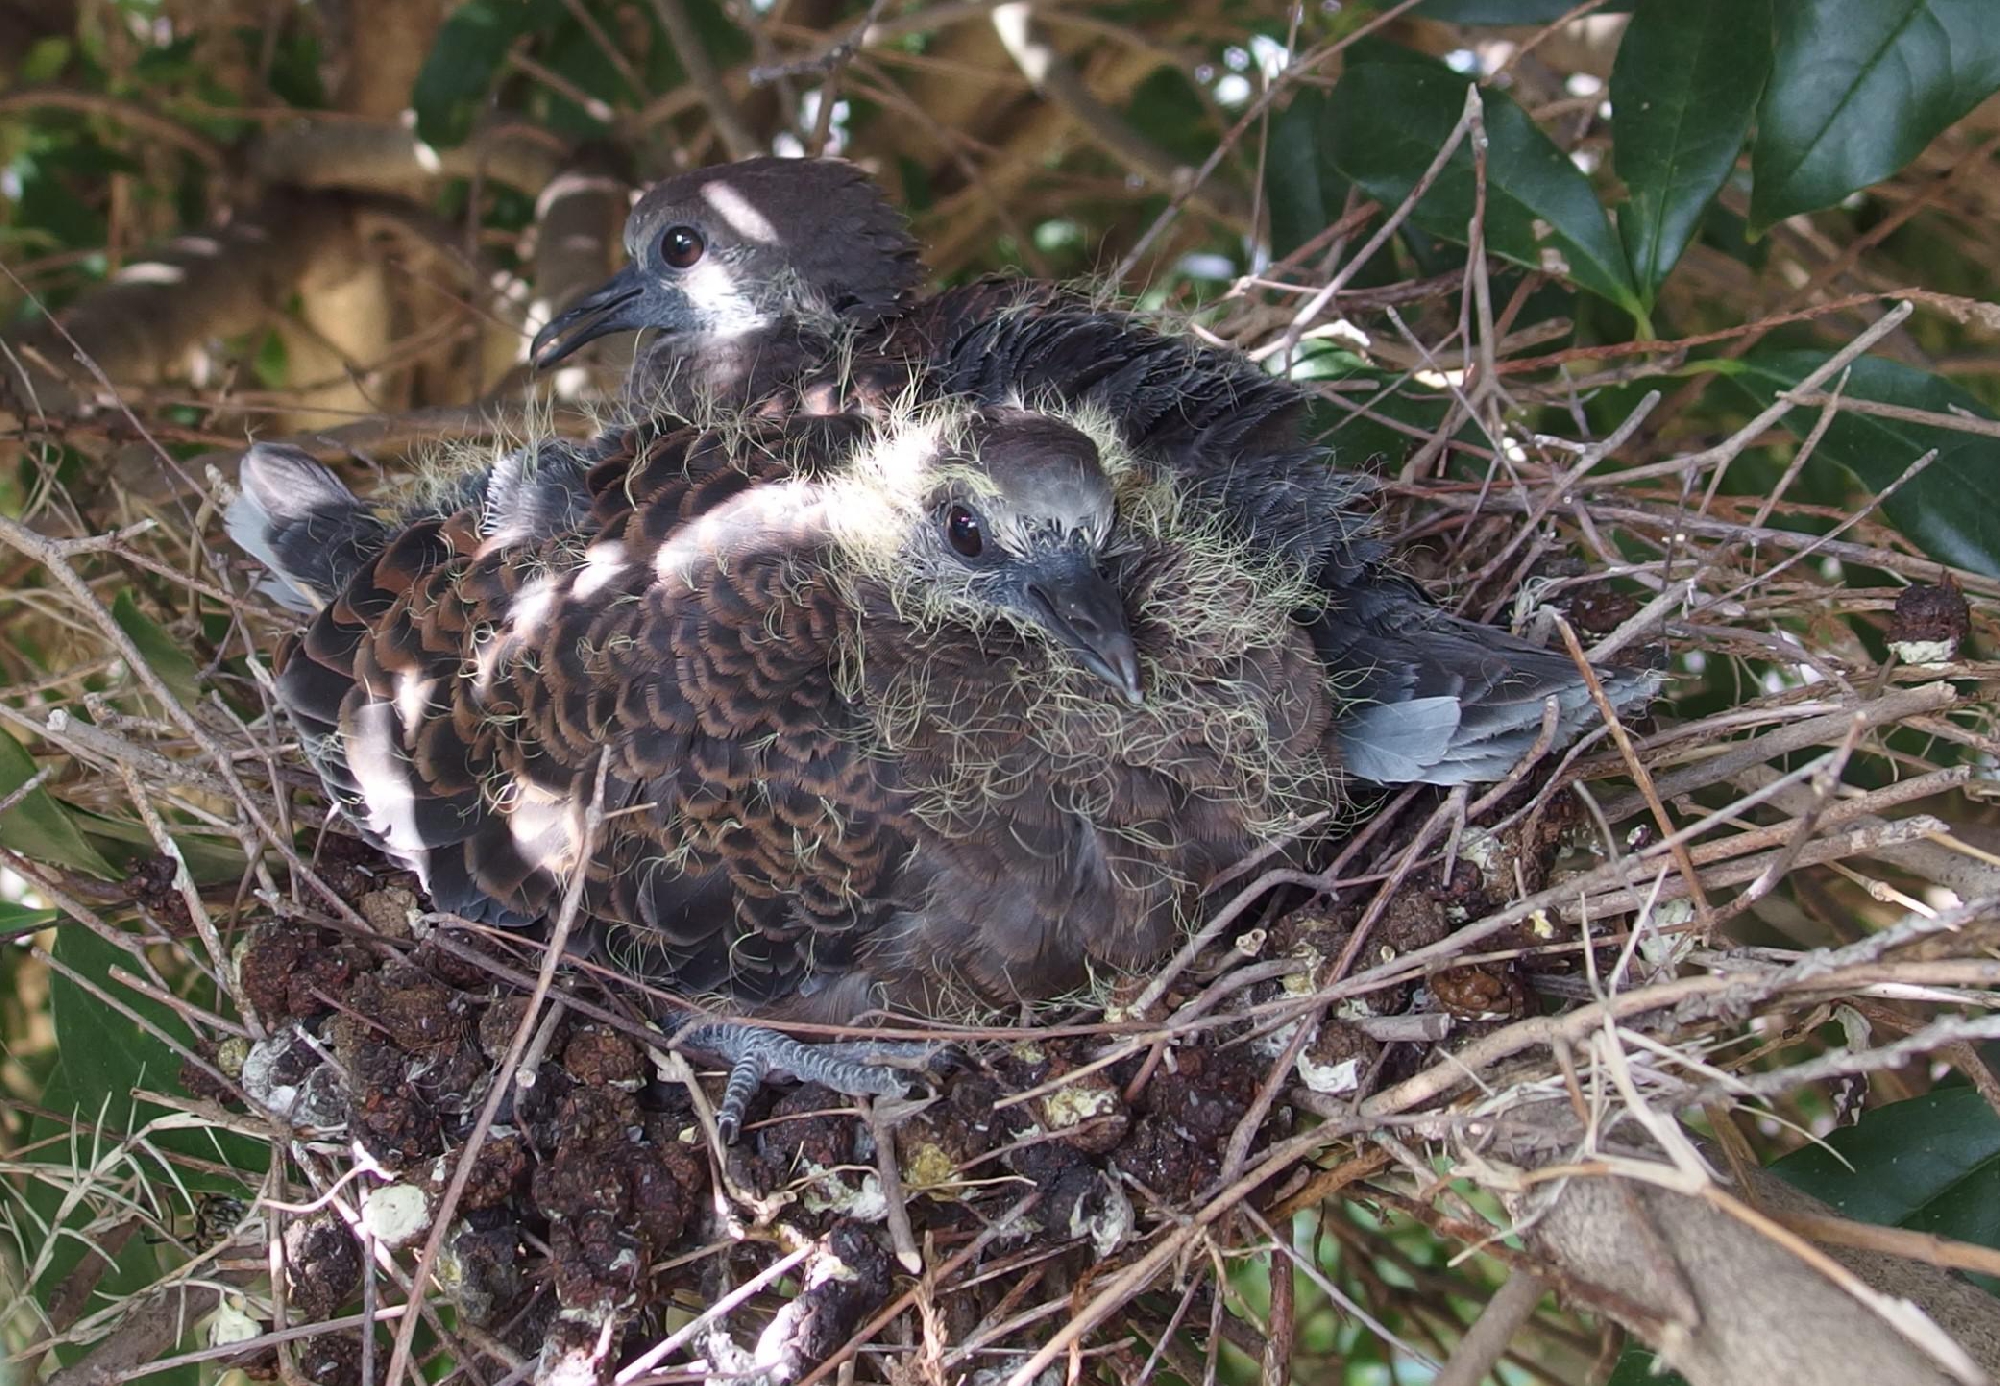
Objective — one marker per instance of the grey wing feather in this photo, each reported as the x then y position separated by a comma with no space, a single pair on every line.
298,519
1435,699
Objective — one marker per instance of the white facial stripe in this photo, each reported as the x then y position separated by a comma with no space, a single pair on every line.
721,300
738,214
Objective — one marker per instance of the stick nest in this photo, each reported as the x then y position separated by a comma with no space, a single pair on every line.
1109,1185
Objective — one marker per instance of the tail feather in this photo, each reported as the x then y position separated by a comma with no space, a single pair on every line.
301,522
1439,700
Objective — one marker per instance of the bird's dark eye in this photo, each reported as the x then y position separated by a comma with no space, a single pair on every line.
961,526
682,246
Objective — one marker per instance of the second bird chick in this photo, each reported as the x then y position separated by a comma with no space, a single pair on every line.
944,707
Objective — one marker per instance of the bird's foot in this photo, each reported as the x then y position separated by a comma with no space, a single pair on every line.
861,1068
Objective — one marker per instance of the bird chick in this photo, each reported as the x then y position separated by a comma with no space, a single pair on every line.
944,708
1009,519
747,272
1431,698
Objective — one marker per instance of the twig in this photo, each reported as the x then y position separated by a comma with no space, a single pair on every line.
1256,112
136,114
1333,1292
882,1118
1485,1343
1894,1241
1007,1223
721,1309
703,76
1640,773
1830,729
54,559
1725,451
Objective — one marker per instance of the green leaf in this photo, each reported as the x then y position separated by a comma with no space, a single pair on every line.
294,72
1683,89
1168,107
723,37
1504,11
1295,181
1387,121
17,920
1953,509
1858,88
104,1054
574,54
209,860
38,827
1636,1368
1931,1164
463,63
176,670
45,59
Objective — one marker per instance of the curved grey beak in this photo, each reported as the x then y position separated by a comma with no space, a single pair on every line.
1081,608
616,306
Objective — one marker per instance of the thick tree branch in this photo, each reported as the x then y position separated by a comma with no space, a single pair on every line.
141,326
1744,1303
365,156
383,44
579,219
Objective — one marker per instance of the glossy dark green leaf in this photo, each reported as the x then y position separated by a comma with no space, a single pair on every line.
1636,1368
1930,1163
38,827
1952,510
1387,121
167,659
464,61
1683,89
1295,181
104,1054
1858,88
1504,11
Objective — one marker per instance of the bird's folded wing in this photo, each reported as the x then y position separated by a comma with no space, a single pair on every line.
1434,699
459,694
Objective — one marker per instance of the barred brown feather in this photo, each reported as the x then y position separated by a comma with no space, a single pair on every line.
818,795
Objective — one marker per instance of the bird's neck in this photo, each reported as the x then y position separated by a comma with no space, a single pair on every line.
731,374
787,367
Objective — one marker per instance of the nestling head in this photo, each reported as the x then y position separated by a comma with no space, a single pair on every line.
1013,515
729,251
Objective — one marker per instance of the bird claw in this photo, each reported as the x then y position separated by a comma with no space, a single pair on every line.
862,1068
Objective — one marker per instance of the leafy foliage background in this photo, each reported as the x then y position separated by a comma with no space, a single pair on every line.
338,224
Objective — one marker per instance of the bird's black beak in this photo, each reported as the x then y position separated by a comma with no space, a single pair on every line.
617,306
1083,610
